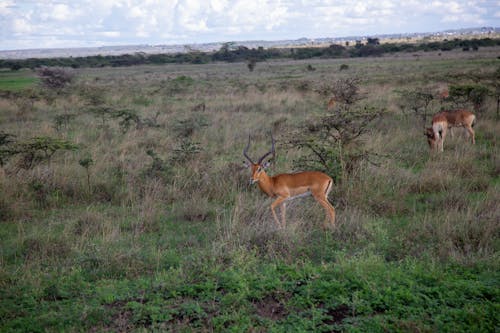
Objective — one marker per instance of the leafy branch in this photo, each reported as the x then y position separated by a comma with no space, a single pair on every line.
38,149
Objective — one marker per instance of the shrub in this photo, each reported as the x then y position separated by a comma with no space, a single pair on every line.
185,151
332,142
86,162
39,149
469,93
62,120
416,101
25,101
251,63
179,85
344,91
7,149
93,95
127,118
185,128
103,112
55,78
304,86
159,168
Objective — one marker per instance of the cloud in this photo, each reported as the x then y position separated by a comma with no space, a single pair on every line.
21,26
109,33
5,7
217,6
55,12
191,15
62,12
253,15
343,19
137,12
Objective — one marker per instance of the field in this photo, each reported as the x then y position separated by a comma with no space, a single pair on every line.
135,214
15,81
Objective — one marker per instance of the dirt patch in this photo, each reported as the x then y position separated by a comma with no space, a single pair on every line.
121,318
337,315
270,308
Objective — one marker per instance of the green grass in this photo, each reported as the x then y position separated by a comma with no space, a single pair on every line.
181,277
16,80
358,294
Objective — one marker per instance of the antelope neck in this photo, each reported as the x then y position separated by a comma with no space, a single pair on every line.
266,184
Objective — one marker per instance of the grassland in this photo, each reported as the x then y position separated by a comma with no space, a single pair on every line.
160,231
16,80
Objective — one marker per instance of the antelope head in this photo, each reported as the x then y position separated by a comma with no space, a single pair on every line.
431,138
257,169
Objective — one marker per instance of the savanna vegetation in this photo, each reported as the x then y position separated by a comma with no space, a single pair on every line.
124,205
232,52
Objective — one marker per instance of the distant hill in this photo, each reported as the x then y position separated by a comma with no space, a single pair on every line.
482,32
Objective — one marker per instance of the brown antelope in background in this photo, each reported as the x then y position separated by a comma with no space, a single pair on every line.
444,120
331,103
288,186
443,95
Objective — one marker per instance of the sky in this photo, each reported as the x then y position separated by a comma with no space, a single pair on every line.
26,24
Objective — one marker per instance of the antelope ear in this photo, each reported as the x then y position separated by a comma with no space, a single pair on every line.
266,164
245,164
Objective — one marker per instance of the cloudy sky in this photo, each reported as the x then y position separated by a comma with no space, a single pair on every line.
75,23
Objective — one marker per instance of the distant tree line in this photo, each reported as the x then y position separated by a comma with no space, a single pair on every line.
230,52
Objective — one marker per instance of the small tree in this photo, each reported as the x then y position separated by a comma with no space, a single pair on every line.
86,162
159,167
15,66
39,149
93,95
127,119
485,84
25,100
185,128
7,147
345,91
158,163
495,84
62,120
251,63
417,101
333,142
373,41
474,94
185,151
103,112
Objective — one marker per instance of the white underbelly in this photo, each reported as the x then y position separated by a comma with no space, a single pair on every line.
305,194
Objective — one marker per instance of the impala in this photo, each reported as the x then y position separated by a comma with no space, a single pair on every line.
444,120
288,186
443,95
331,103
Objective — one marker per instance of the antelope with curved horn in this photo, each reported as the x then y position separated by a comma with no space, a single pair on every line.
288,186
445,120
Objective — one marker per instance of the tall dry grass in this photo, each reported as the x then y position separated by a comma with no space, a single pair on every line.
437,205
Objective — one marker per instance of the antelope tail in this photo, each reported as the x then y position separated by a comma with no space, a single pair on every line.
328,188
